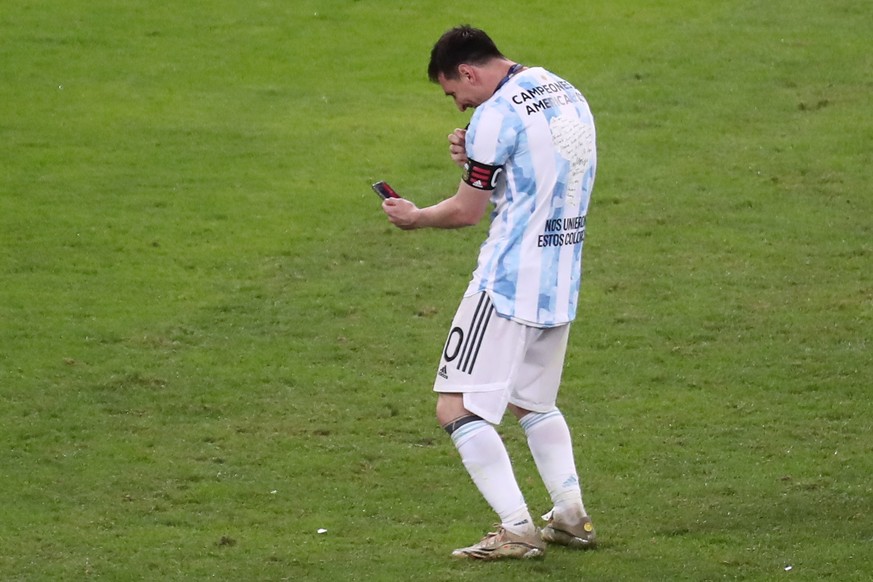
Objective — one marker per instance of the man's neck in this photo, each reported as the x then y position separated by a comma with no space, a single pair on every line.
511,72
500,71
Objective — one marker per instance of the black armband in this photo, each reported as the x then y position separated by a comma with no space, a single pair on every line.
481,176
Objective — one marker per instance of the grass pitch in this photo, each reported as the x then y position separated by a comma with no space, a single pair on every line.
213,346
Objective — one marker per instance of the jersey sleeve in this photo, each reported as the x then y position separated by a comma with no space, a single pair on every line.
491,141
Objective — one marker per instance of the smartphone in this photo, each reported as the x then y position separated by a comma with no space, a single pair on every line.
384,190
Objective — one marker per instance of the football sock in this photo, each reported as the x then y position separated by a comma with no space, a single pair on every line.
549,440
484,455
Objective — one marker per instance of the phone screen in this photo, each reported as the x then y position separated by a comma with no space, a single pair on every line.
384,190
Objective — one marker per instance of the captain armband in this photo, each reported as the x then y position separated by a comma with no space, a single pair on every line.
481,176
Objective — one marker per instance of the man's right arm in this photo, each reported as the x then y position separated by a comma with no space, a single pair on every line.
465,208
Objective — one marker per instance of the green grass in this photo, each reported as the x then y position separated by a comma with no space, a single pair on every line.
212,344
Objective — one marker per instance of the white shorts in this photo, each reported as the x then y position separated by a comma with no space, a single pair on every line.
494,361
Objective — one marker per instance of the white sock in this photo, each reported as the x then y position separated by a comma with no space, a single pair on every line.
549,440
484,455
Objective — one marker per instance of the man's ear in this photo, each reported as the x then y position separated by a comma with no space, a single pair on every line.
467,72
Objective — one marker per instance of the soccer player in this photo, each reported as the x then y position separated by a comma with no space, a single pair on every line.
529,150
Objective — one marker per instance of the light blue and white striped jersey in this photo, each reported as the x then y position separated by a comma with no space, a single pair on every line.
539,129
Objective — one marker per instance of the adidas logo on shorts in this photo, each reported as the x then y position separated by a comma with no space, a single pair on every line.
444,373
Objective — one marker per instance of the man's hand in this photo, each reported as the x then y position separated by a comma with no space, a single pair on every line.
401,213
458,146
465,208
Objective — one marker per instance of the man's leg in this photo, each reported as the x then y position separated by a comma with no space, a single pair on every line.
484,455
548,437
486,460
472,381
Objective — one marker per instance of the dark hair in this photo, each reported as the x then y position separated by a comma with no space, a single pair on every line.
460,45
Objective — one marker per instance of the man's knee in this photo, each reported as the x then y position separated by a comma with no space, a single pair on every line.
450,407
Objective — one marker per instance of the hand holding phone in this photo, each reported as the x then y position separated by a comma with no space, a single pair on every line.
384,190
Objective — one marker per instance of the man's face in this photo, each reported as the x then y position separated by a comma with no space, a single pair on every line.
463,90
